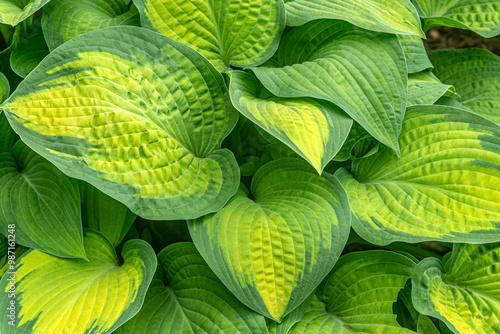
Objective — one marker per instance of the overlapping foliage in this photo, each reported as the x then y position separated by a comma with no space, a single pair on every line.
201,166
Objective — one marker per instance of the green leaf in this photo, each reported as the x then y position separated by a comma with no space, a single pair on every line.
444,187
362,72
63,20
76,296
425,88
426,326
358,295
3,250
291,319
391,16
272,249
194,301
14,11
30,51
104,214
9,266
316,130
8,137
464,292
139,116
4,87
226,32
415,53
475,74
42,202
480,16
356,135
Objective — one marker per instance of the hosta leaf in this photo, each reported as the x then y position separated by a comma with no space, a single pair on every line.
356,135
426,326
136,114
425,88
363,72
63,20
30,51
415,53
316,130
291,319
392,16
4,87
358,295
480,16
104,214
475,73
14,11
464,292
227,32
194,301
272,249
445,186
8,137
3,250
76,296
42,202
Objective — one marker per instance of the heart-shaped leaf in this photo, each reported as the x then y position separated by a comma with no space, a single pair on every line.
358,295
76,296
30,50
136,114
273,249
445,186
475,74
464,292
14,11
226,32
425,88
392,16
104,214
362,72
42,202
480,16
63,20
193,301
314,129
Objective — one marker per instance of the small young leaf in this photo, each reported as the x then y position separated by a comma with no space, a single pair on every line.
480,16
475,74
464,292
445,186
136,114
193,301
316,130
272,251
43,203
78,296
226,32
358,295
362,72
391,16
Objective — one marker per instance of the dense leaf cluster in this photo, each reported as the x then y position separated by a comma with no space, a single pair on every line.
228,166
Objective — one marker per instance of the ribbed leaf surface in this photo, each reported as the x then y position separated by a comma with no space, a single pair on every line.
194,301
362,72
425,88
358,295
77,296
316,130
226,32
446,186
137,115
475,73
273,250
63,20
29,51
415,53
14,11
465,292
391,16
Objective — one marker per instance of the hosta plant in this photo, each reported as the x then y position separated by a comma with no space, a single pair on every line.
201,166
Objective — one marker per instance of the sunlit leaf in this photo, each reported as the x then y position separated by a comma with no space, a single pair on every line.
425,88
14,11
136,114
273,247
